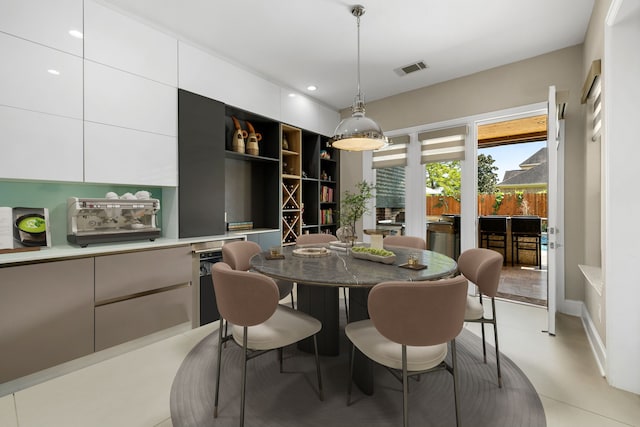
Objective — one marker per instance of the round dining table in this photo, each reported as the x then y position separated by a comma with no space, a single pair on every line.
319,278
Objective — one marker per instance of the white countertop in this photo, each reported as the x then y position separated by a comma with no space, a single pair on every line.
68,251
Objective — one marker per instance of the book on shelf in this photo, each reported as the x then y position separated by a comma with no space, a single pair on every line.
326,194
326,216
244,225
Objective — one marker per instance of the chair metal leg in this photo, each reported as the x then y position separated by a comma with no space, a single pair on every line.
244,376
293,302
315,348
484,343
215,405
351,357
495,335
405,388
454,365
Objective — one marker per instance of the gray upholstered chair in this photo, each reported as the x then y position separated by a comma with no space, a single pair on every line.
405,242
322,239
482,267
249,301
238,256
410,326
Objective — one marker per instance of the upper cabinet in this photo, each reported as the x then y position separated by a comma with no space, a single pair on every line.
45,22
40,146
205,74
117,155
37,78
121,42
117,98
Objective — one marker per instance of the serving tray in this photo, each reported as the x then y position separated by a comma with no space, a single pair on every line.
311,252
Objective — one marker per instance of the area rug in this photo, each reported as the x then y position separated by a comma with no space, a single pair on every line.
291,398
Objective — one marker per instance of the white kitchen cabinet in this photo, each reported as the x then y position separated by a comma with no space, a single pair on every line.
40,146
117,155
119,41
38,78
210,76
46,315
114,97
44,21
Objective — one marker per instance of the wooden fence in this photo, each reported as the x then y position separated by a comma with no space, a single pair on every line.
511,204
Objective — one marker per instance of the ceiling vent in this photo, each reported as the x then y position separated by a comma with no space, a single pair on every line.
411,68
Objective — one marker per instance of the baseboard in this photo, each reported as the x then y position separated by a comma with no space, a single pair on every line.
571,307
596,344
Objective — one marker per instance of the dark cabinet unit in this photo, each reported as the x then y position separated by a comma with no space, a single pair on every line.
201,165
237,172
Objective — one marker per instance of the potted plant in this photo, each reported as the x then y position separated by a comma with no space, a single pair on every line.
353,205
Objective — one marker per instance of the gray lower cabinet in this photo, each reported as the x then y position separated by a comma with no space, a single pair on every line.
266,239
46,315
136,317
140,293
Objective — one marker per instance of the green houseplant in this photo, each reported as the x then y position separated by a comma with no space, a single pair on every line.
353,206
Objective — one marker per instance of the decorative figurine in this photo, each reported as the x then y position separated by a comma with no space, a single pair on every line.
252,141
238,137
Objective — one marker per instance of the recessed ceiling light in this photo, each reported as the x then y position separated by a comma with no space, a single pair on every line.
75,33
292,95
54,72
312,87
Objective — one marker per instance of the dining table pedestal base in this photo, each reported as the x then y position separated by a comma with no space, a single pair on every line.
322,303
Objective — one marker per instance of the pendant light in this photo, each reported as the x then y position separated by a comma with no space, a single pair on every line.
358,133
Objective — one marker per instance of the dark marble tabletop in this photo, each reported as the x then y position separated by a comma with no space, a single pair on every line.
341,269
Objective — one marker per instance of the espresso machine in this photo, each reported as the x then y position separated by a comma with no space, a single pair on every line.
111,220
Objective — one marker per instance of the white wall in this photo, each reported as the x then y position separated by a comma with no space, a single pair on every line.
622,206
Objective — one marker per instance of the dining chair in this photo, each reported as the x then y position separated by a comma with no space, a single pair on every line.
238,255
249,302
483,267
405,242
322,239
410,326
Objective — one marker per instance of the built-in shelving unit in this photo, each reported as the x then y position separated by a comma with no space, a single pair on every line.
251,180
320,185
286,188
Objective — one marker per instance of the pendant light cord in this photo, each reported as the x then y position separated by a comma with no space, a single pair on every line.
359,93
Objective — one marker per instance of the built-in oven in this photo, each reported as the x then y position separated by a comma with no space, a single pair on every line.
207,254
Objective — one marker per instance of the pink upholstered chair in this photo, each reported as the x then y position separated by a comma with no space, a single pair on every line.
482,267
410,326
315,239
323,239
249,301
404,241
238,256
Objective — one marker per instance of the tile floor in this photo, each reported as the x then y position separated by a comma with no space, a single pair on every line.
132,388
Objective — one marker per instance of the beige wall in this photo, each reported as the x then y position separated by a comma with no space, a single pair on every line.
594,49
513,85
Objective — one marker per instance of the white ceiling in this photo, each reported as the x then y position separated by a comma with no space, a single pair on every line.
301,42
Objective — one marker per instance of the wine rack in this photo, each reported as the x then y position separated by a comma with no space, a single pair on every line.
291,198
